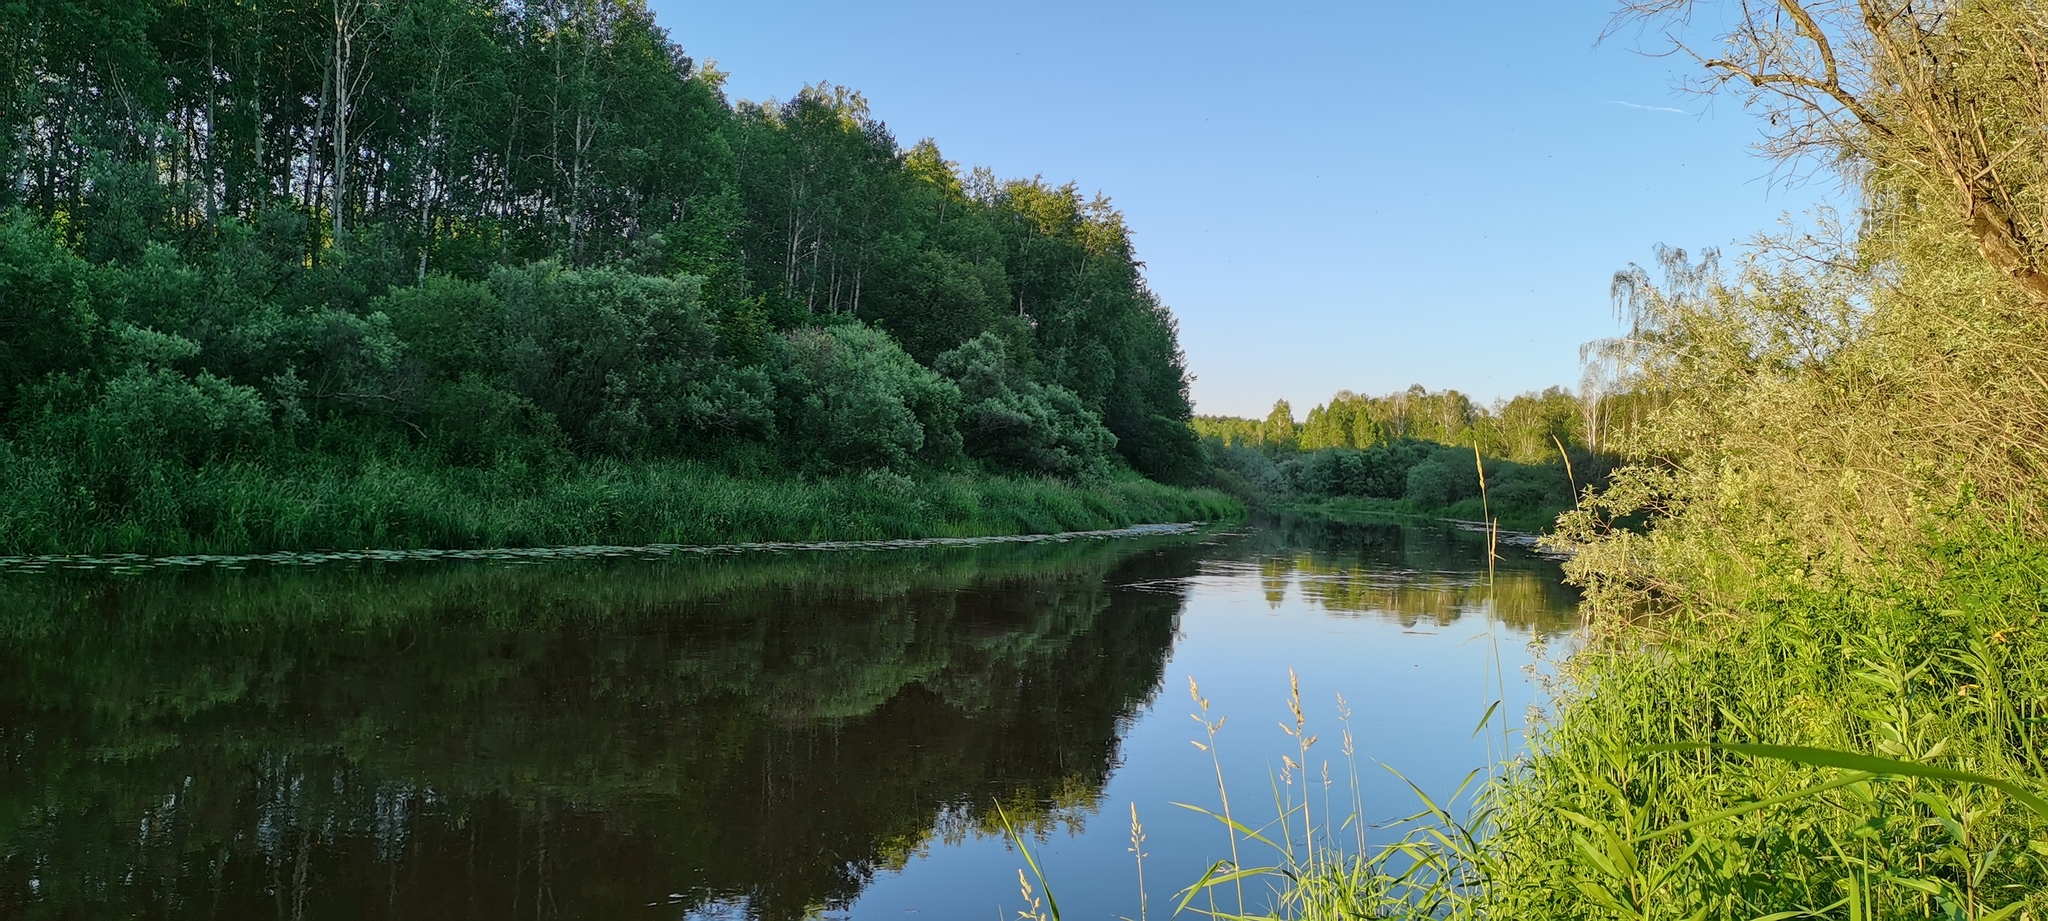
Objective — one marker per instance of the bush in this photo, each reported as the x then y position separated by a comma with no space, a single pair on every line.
1245,470
1377,472
861,402
1328,474
1447,476
627,364
1014,423
475,423
449,326
155,411
46,319
1527,486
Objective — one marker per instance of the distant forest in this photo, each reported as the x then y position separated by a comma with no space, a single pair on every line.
1422,451
464,233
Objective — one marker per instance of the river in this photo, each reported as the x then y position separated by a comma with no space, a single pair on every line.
772,733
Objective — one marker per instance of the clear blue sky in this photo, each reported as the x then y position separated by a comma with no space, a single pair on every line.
1355,195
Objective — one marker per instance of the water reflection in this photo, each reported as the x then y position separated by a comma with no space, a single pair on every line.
1411,575
572,741
757,735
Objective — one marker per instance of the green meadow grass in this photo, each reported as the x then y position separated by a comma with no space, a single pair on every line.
242,508
1903,730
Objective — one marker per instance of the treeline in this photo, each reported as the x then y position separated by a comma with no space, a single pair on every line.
1417,451
523,237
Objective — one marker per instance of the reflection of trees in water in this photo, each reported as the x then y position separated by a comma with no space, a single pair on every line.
562,741
1520,599
1408,575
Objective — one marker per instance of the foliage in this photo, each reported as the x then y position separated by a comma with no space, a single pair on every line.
862,402
1845,391
1936,107
1412,453
1598,826
1016,423
298,234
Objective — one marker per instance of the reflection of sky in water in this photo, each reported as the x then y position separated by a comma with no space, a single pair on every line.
1418,652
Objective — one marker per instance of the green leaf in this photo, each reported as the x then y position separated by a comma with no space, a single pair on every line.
1233,823
1211,879
1870,764
1052,905
1602,862
2005,912
1488,718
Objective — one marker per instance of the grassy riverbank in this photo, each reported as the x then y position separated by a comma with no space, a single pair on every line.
1949,672
228,508
1622,809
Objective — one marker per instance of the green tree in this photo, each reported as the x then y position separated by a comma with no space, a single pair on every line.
1278,431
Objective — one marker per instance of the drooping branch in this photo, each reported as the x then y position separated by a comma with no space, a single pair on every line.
1939,96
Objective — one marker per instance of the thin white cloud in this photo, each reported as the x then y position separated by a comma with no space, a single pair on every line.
1638,105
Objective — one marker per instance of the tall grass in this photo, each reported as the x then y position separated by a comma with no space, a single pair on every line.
1640,801
1907,784
1305,860
1849,754
1308,864
249,508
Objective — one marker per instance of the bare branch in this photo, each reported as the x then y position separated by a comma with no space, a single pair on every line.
1943,98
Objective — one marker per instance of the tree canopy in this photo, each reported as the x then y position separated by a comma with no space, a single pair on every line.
482,233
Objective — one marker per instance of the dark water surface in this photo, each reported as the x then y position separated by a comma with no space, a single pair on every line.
758,735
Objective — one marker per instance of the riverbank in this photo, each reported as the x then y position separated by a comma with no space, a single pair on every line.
245,508
1908,707
1939,662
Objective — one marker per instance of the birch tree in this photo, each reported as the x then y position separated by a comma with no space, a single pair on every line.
348,75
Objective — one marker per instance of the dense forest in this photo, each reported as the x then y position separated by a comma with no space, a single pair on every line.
246,247
1521,461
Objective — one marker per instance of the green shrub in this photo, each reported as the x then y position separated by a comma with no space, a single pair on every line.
627,364
862,402
151,412
1014,423
47,323
1445,477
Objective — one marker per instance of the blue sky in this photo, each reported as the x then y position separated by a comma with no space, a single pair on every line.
1330,195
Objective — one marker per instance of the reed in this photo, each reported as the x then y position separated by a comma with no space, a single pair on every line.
239,508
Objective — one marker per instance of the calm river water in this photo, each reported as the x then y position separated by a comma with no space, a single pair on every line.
772,735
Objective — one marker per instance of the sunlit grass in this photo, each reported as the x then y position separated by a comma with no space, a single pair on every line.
240,508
